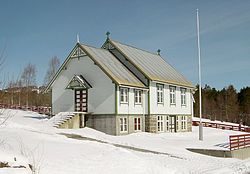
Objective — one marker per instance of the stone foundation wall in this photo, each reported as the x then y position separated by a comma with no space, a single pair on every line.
189,123
151,123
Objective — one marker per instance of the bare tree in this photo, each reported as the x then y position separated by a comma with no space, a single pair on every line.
34,155
4,114
54,64
2,58
28,78
1,68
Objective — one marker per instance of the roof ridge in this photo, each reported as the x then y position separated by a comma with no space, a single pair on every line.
82,44
135,47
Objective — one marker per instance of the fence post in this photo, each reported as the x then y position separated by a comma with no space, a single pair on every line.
230,146
244,141
238,138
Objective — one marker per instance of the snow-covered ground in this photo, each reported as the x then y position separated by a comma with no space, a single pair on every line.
216,121
30,138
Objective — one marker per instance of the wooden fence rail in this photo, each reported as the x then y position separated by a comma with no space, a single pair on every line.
39,109
223,126
239,141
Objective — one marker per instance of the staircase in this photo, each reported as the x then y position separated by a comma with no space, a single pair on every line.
61,118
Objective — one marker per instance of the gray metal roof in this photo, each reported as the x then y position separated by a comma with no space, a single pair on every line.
112,66
152,65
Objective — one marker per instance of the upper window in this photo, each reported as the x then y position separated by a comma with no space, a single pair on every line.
183,96
159,93
172,95
124,95
138,96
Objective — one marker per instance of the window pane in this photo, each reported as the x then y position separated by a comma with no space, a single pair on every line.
139,124
159,93
135,122
121,124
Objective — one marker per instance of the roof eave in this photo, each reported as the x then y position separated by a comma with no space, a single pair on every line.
175,83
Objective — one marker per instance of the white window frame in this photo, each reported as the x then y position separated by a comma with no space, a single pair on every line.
183,97
123,124
160,125
138,96
160,93
124,95
172,93
184,122
137,124
177,123
167,123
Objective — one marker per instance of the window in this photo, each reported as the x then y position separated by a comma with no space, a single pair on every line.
123,124
183,96
177,123
138,96
159,93
124,95
160,123
172,95
183,122
167,123
137,122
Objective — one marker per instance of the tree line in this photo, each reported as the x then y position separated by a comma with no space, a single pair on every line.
225,105
24,91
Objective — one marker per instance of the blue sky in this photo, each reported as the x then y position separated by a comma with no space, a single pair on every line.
34,31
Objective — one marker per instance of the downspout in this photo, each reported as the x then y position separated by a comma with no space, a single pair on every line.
116,100
148,105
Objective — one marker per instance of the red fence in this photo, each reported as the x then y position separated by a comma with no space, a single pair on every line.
223,126
239,141
39,109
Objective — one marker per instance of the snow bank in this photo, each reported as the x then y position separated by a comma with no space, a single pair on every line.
54,153
17,164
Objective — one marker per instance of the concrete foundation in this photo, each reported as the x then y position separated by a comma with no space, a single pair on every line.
103,123
110,124
243,153
74,123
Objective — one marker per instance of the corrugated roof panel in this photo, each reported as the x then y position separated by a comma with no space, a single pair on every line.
113,66
152,65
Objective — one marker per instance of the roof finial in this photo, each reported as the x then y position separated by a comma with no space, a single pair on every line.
158,52
107,34
77,38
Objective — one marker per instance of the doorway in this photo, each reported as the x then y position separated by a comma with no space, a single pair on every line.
81,100
172,123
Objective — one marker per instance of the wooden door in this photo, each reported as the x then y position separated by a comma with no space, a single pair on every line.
81,100
172,123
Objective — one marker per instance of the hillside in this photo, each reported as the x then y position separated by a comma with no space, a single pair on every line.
32,140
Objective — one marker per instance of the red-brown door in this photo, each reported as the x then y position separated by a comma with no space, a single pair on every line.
81,100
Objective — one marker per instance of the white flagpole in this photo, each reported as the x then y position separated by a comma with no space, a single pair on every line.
199,55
